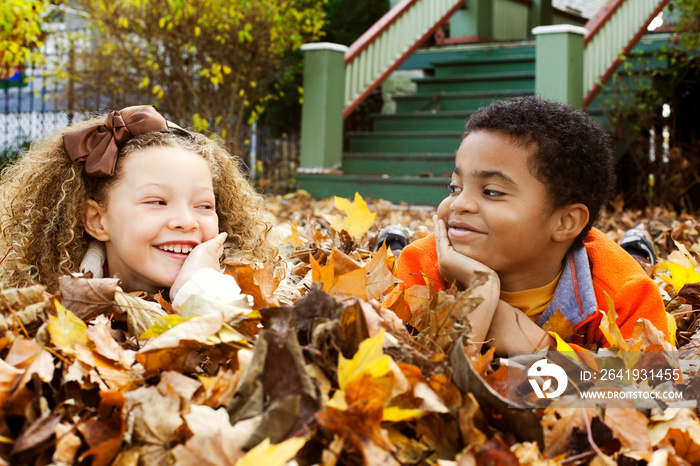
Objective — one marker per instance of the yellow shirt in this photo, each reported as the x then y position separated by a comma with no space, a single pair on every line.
532,302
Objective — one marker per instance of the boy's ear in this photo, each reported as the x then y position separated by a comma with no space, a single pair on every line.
93,221
572,220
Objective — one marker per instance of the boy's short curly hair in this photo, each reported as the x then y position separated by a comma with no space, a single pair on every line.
571,153
43,196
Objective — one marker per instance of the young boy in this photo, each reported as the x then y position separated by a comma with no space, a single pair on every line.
530,179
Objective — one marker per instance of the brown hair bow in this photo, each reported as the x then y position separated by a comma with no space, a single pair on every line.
98,146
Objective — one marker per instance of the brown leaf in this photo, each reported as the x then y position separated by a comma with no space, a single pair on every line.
630,427
35,437
156,415
379,277
470,421
560,325
87,297
496,451
557,425
8,375
100,333
67,444
215,441
140,314
219,389
103,433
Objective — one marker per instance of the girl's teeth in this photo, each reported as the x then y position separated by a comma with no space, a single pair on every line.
177,249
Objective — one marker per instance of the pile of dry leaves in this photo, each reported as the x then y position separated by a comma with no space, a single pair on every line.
314,371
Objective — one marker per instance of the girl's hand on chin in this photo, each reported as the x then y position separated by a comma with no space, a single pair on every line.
204,255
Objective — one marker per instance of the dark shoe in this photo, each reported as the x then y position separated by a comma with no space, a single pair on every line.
395,237
638,242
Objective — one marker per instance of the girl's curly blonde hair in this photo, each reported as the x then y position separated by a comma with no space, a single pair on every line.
43,196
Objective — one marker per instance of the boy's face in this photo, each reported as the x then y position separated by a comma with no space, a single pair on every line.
497,212
161,208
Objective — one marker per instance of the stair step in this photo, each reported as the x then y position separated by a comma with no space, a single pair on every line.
452,101
410,189
508,63
421,121
522,80
399,163
434,56
404,141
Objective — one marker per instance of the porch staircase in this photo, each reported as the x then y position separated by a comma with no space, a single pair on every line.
409,155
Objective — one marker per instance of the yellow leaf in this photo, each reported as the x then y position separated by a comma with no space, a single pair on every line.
564,347
672,327
293,239
396,414
358,219
197,31
611,331
272,455
681,275
66,329
369,358
163,324
156,89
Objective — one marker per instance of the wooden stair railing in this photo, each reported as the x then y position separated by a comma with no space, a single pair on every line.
612,33
388,43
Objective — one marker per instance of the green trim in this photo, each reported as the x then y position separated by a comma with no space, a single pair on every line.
559,64
322,111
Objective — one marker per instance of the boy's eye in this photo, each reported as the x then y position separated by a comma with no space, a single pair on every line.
492,193
454,189
206,206
156,202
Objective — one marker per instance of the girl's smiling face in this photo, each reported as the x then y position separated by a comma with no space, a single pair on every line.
162,206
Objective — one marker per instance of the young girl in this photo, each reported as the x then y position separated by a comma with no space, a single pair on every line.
130,195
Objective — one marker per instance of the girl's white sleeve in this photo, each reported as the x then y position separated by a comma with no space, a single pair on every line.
210,283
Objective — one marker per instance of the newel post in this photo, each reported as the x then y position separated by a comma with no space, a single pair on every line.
322,110
559,63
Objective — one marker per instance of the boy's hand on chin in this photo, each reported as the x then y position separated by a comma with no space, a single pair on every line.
453,265
204,255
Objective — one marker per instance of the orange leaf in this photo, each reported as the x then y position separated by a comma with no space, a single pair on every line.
322,274
245,277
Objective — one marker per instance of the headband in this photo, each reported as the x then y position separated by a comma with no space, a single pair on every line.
99,145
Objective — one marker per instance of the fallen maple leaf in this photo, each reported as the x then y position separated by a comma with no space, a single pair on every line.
215,442
87,297
67,330
357,220
272,454
379,277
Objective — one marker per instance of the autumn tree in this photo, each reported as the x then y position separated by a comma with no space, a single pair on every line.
652,108
20,31
210,64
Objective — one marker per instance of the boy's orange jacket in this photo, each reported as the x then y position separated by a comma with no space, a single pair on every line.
601,267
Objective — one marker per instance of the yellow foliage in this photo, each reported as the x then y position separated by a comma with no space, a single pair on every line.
272,455
66,329
357,220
